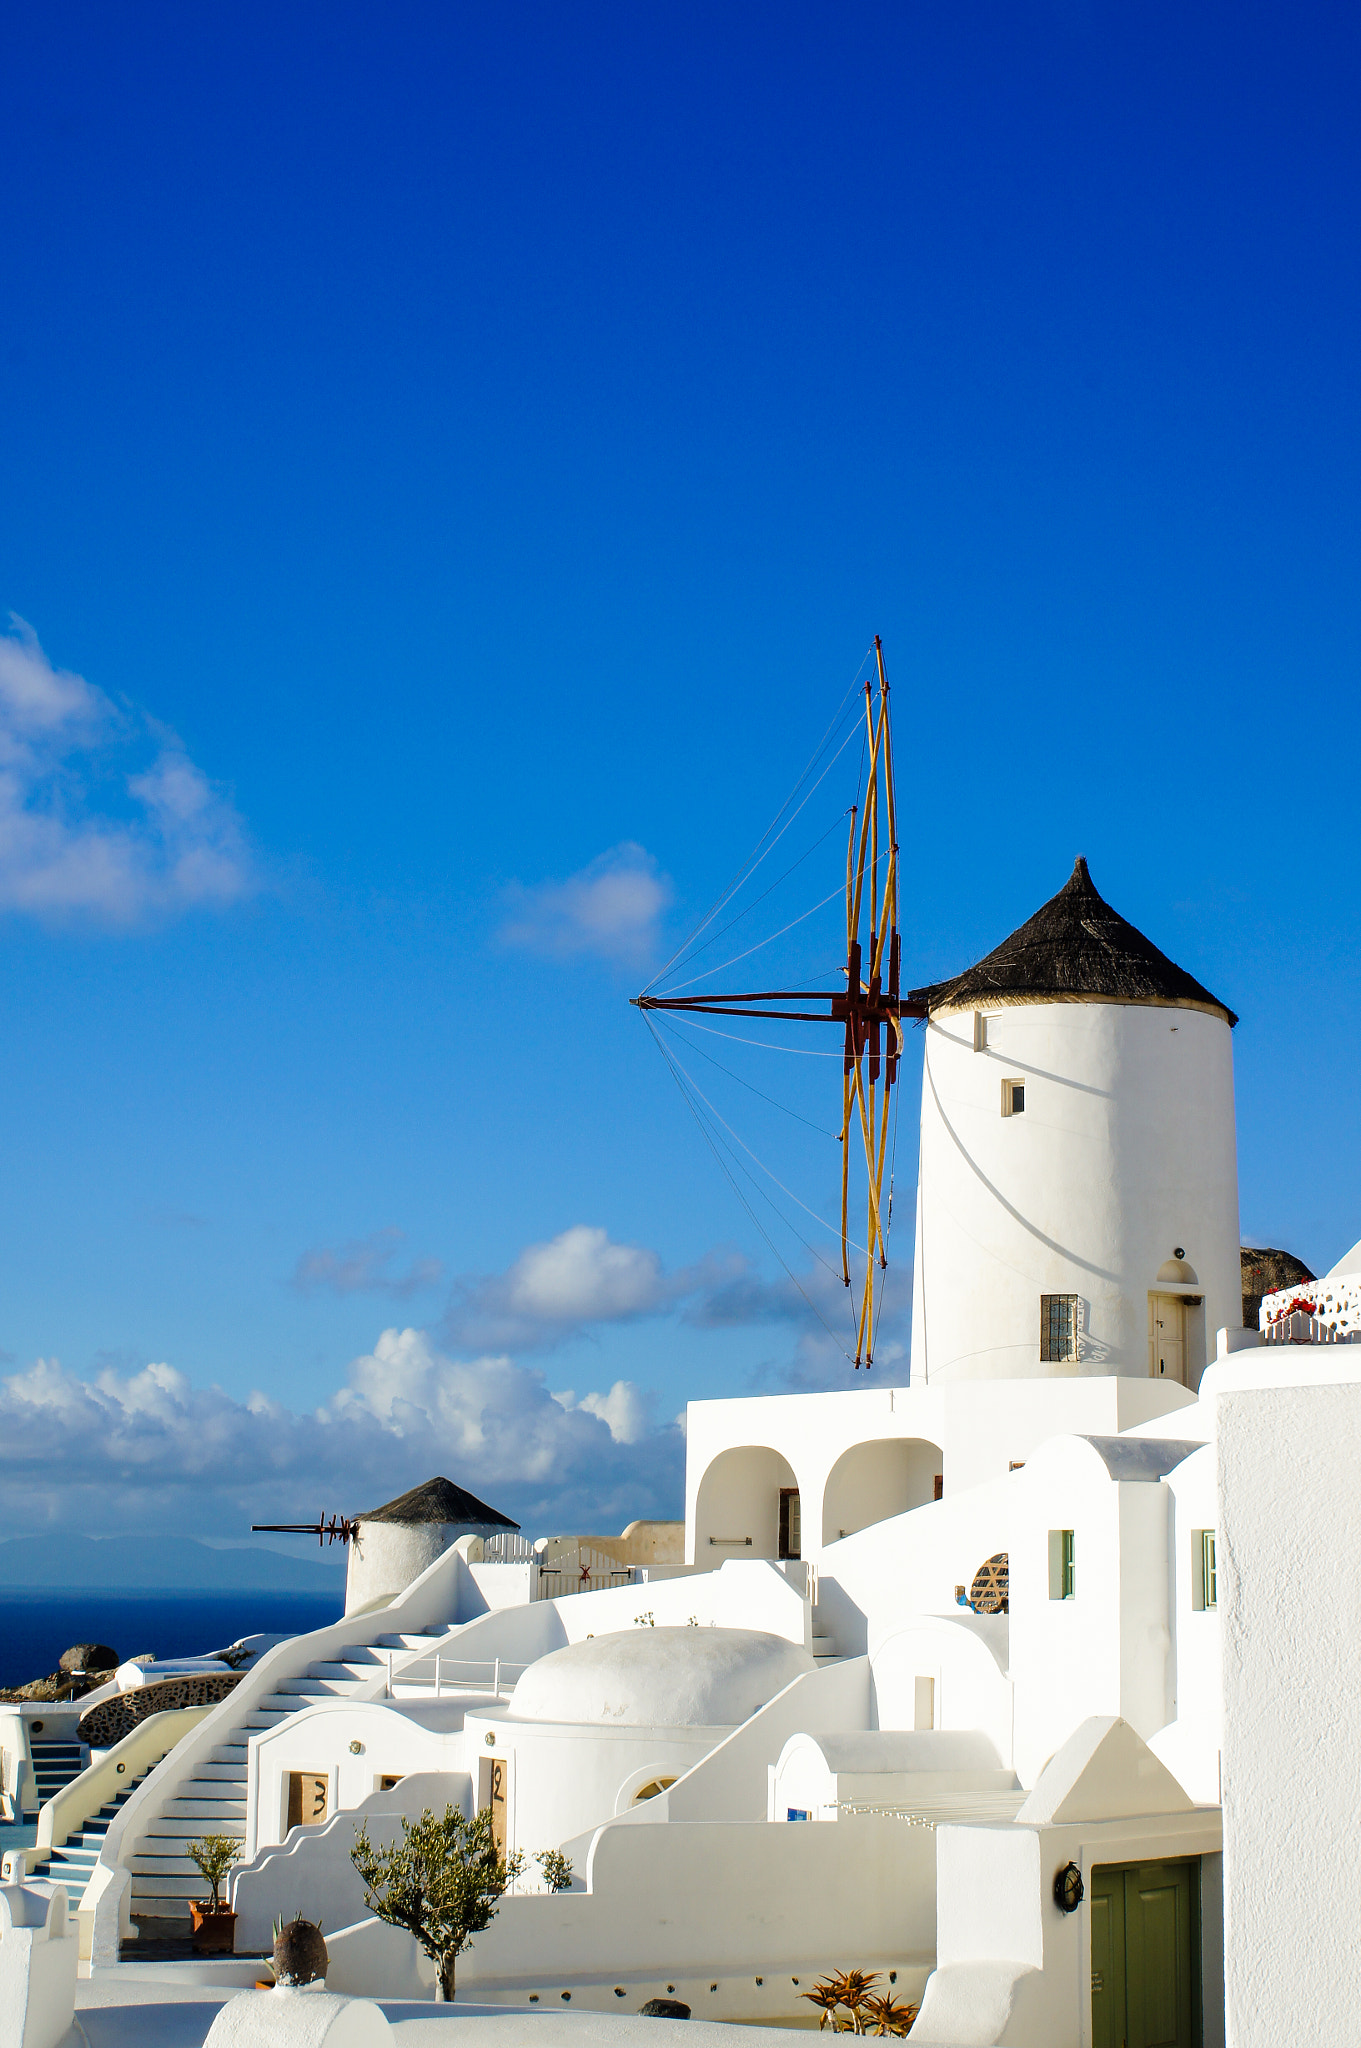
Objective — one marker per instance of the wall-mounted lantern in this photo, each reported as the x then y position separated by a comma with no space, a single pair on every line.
1069,1890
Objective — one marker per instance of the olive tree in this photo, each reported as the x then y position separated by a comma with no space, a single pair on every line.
442,1882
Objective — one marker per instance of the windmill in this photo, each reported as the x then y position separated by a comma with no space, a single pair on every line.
869,1010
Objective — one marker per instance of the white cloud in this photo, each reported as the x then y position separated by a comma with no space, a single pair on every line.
581,1276
364,1266
611,908
150,1452
626,1410
89,826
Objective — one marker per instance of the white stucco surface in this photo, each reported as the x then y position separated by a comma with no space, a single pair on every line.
37,1966
1290,1608
660,1677
301,2018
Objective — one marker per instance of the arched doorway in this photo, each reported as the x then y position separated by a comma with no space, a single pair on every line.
748,1506
872,1481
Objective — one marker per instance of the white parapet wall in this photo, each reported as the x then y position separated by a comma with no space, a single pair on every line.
37,1966
727,1915
1337,1303
1289,1443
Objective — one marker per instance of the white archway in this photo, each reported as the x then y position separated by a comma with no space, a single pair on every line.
737,1509
872,1481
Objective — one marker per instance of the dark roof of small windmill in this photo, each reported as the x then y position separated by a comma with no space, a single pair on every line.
438,1500
1074,947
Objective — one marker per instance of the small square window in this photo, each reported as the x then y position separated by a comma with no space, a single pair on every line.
984,1032
1204,1574
1062,1581
1013,1098
1058,1329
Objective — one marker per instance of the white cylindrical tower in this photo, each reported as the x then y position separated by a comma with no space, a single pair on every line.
394,1544
1077,1210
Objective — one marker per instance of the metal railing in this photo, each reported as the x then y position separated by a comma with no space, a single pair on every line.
496,1675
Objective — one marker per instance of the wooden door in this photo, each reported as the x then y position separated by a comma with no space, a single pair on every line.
1167,1338
1108,1959
493,1779
307,1797
1145,1934
791,1524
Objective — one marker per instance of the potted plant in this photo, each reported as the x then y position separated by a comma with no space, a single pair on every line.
214,1923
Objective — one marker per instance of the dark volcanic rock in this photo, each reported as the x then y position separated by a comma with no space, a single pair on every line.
1264,1271
665,2009
85,1657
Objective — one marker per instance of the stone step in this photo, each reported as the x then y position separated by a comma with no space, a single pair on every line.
354,1664
227,1770
152,1907
203,1819
147,1887
294,1690
229,1753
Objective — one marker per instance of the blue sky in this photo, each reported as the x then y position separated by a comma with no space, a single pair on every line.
464,455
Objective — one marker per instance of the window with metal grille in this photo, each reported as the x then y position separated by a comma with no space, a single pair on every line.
1058,1328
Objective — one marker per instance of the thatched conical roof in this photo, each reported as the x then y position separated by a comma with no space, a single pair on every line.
438,1500
1075,947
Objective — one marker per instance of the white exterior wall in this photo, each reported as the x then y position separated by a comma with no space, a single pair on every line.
1105,1651
1125,1149
1290,1610
866,1455
394,1741
724,1917
565,1779
1190,1747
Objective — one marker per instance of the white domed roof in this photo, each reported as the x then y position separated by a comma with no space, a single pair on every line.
660,1678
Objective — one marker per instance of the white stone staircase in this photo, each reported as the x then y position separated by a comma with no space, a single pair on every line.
213,1800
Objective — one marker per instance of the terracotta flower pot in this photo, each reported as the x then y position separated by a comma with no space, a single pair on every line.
214,1932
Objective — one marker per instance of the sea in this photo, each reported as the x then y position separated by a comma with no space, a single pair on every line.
36,1626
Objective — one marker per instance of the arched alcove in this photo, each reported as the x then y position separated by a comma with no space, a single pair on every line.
738,1507
872,1481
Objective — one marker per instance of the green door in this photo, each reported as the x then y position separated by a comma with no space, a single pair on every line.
1145,1927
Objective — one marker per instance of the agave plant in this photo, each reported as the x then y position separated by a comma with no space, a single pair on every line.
844,1991
883,2016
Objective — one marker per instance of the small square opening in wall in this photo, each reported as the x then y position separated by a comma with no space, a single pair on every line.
1013,1098
1062,1572
1204,1573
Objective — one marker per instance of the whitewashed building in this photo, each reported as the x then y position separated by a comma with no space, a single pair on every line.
937,1690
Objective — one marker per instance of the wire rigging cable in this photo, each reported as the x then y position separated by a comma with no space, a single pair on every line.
723,1165
863,999
714,937
821,1129
756,856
